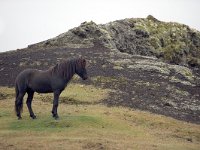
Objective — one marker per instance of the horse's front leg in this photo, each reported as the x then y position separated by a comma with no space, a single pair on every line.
55,104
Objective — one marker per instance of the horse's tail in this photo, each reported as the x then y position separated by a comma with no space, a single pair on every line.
18,101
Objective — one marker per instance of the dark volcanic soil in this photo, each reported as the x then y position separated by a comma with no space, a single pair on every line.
138,82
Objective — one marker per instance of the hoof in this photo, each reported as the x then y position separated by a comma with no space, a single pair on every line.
56,117
33,117
19,118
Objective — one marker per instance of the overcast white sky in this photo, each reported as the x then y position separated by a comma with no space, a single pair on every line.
24,22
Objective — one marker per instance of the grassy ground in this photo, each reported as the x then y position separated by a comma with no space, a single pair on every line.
86,124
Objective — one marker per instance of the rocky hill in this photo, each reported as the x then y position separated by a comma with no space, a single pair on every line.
147,64
172,42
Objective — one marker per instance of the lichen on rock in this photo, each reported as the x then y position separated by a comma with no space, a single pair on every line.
172,42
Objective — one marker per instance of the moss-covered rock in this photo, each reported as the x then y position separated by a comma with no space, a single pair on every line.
172,42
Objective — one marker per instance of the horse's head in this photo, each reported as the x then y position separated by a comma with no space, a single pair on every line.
81,68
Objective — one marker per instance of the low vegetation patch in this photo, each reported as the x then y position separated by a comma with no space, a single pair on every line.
6,92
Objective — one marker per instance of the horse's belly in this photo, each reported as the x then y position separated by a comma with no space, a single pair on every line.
42,83
45,90
41,87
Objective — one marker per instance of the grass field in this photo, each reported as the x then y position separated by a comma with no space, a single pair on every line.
86,124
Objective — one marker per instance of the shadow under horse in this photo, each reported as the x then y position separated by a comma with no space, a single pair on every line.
54,80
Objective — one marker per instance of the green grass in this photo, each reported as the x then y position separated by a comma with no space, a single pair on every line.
46,122
92,126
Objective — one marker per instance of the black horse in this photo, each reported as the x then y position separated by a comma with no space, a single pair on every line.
54,80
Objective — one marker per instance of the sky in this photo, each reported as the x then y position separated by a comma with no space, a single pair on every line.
25,22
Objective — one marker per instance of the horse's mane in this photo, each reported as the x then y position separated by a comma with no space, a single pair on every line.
64,69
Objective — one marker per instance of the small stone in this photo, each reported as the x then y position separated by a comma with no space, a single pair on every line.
189,139
169,104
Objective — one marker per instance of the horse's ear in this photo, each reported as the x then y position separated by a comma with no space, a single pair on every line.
81,62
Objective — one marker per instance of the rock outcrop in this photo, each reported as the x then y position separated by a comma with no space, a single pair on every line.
172,42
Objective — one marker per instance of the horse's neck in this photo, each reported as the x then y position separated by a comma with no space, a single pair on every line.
69,74
69,78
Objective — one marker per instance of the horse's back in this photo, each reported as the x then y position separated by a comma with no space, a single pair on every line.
26,73
36,80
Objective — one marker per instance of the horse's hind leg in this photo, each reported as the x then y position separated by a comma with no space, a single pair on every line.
29,102
19,104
